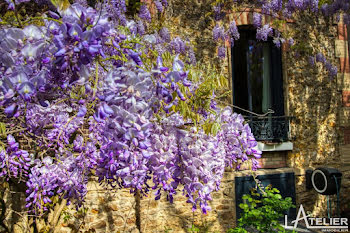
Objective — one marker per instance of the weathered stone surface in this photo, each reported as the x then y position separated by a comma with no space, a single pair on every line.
98,225
341,48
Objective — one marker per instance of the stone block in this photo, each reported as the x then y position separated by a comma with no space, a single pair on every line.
98,224
113,206
65,230
227,215
228,191
216,195
344,117
341,48
343,81
222,207
131,220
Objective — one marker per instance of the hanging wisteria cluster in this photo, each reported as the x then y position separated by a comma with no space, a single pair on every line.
280,9
99,94
82,89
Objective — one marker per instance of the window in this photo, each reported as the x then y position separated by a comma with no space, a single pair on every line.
258,85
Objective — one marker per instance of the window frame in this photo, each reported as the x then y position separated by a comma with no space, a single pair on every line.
273,127
276,72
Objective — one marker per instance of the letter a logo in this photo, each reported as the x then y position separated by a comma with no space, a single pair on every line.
301,211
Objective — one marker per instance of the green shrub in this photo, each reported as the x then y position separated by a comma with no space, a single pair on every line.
263,211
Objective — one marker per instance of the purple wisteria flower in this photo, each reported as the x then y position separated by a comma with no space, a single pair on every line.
320,58
233,31
312,60
221,52
264,32
333,71
218,13
144,13
291,41
14,162
257,20
82,88
158,5
164,34
165,3
218,33
177,45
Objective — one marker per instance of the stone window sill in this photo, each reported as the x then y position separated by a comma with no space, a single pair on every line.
283,146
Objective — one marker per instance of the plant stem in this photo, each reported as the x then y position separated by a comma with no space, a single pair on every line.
16,15
56,216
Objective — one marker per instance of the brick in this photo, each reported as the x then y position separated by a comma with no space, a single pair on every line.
344,65
279,163
346,98
250,18
347,135
245,18
342,32
242,18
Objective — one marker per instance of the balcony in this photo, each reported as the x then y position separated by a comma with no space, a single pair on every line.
270,129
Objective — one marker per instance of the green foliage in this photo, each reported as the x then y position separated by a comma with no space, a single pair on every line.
200,229
210,81
167,229
237,230
3,130
263,211
204,227
61,5
66,216
321,2
193,229
279,24
303,48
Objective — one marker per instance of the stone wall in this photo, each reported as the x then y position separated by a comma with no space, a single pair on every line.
342,53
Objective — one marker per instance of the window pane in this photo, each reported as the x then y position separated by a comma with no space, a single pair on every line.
240,81
257,78
258,69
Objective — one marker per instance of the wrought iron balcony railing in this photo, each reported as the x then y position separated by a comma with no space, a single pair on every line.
270,128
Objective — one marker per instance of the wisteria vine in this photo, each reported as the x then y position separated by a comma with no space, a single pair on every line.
280,9
99,95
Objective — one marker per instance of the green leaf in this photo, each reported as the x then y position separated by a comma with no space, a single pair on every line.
3,128
215,128
61,5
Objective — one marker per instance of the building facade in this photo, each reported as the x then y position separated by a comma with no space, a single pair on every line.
309,126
